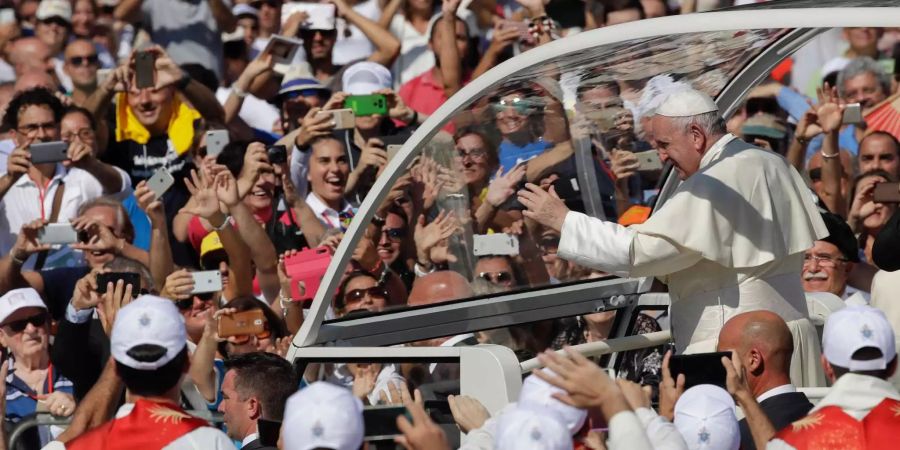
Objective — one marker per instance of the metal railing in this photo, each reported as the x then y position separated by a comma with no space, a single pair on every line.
600,348
39,419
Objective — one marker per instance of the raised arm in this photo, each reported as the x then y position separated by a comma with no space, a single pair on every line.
387,47
448,52
128,11
388,13
830,117
111,180
161,263
222,15
239,89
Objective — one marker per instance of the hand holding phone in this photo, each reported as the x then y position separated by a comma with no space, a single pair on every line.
367,105
342,119
58,233
144,69
48,152
700,368
307,267
134,279
242,323
207,281
160,182
216,140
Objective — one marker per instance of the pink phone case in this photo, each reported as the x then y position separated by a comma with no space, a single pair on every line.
308,266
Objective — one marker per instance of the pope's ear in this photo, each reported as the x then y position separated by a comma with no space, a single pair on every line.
697,137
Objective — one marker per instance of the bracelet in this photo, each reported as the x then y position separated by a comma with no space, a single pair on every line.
541,25
801,141
285,302
225,222
829,156
238,92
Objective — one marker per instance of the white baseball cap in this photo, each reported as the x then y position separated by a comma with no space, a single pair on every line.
54,8
538,394
17,299
243,9
364,78
148,320
685,103
704,415
852,328
525,428
323,415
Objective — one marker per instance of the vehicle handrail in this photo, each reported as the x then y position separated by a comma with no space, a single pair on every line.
38,419
599,348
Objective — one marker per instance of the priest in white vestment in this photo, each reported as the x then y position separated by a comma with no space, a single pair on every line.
730,240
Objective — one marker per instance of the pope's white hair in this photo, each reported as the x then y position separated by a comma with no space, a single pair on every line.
710,123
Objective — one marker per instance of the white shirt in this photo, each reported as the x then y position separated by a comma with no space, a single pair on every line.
257,113
203,438
783,389
327,215
250,438
356,46
26,201
415,57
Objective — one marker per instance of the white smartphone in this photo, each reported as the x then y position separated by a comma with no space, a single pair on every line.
160,182
648,161
283,49
497,244
7,16
343,119
322,16
207,281
853,114
58,233
216,140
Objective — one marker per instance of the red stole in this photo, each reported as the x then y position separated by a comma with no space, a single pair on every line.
150,426
832,428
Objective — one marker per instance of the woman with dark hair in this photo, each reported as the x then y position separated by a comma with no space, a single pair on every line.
866,217
360,291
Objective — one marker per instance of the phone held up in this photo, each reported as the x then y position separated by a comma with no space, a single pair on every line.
144,69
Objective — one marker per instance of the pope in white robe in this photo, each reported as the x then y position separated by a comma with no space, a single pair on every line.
730,239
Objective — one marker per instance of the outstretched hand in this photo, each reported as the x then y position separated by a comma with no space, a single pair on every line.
670,389
544,207
586,385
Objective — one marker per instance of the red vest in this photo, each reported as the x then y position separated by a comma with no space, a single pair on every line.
832,428
150,426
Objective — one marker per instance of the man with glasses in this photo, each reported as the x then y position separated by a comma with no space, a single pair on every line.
80,65
29,191
828,263
32,384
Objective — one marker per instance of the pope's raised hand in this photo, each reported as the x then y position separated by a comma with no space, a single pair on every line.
544,207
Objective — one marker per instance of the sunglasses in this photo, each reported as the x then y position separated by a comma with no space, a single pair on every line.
496,277
293,95
309,34
271,3
19,326
242,339
521,105
55,21
189,302
358,294
394,233
90,60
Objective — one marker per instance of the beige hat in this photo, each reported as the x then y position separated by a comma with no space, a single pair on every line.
54,8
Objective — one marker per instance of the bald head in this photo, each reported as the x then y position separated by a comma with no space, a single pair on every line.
438,287
764,343
33,79
30,54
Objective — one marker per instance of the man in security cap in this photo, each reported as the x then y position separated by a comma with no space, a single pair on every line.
729,240
149,345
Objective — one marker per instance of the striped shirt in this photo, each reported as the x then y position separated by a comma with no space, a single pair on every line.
21,399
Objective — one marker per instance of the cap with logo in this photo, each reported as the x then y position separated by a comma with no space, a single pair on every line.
686,103
148,320
526,428
299,78
17,299
538,394
54,8
364,78
323,415
705,418
852,328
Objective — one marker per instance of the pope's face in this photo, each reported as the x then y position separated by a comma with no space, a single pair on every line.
825,269
684,147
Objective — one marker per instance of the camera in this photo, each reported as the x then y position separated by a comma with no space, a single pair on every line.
277,154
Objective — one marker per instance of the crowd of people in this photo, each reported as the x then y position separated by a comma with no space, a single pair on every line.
149,187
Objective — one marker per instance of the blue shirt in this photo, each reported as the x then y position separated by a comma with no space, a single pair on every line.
140,221
21,400
511,154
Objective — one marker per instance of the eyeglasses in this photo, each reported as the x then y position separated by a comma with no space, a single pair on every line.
394,233
521,105
358,294
823,260
477,154
89,60
85,134
19,326
55,21
242,339
189,302
496,277
33,128
309,34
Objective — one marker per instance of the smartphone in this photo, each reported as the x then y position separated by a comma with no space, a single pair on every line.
367,105
277,154
49,152
343,119
269,431
322,16
308,266
853,114
102,75
381,421
605,119
497,244
207,281
144,69
521,27
699,368
113,277
886,193
242,323
649,161
7,16
216,140
58,233
160,182
283,49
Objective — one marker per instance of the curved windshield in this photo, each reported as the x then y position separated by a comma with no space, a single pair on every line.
453,229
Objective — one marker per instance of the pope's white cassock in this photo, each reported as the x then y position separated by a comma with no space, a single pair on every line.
730,240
